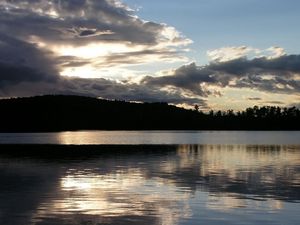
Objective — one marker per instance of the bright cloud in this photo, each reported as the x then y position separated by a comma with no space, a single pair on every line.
89,29
231,53
99,48
276,52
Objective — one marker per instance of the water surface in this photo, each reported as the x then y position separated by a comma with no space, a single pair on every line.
154,137
169,185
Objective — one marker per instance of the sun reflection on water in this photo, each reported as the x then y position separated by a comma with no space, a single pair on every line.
192,181
124,193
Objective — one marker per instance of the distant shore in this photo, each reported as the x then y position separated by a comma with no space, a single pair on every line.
57,151
71,113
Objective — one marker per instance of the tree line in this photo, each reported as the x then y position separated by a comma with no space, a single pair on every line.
63,113
257,112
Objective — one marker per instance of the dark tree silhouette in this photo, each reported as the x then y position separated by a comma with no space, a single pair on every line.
60,113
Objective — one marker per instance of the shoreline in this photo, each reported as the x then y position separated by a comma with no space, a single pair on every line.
61,150
49,151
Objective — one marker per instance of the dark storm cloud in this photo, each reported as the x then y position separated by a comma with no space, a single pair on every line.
281,75
100,87
11,74
285,64
188,77
21,61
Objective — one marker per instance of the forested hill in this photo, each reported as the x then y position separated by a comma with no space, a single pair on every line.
62,113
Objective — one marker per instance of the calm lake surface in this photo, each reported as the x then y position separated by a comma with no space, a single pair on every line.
208,178
153,137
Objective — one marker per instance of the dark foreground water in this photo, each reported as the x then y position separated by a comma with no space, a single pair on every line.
168,185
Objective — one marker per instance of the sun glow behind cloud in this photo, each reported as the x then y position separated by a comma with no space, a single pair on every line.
113,60
94,50
121,55
90,37
94,56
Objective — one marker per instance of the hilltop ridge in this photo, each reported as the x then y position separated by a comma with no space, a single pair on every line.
64,113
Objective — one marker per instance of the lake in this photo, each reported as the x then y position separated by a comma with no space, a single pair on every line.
182,178
153,137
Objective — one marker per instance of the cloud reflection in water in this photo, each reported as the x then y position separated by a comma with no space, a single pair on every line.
189,183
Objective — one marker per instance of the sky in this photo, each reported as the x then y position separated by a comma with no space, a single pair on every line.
228,54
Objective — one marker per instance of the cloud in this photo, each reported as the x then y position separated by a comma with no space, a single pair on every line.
229,53
237,52
41,40
295,104
21,61
100,87
275,102
85,32
90,28
276,52
274,75
189,78
255,99
26,70
189,84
